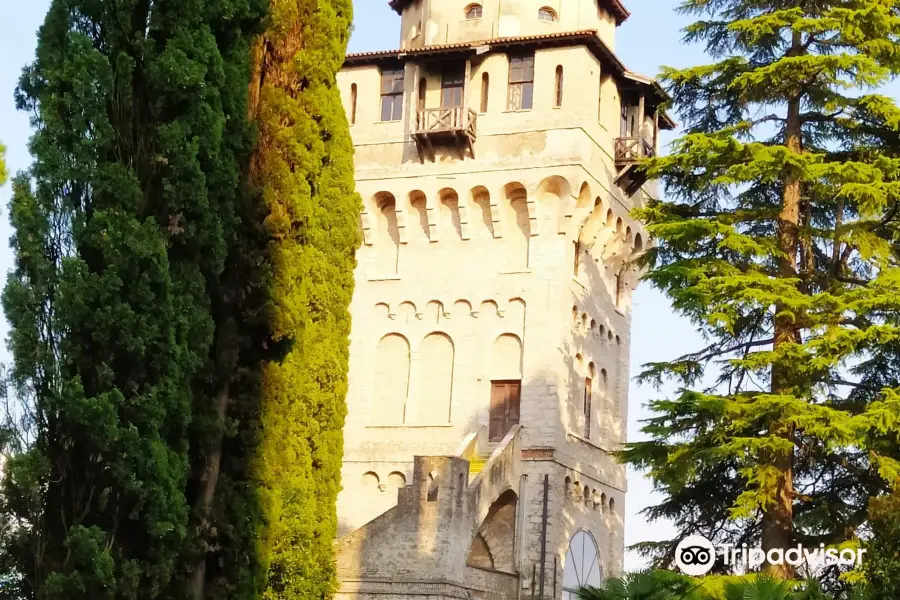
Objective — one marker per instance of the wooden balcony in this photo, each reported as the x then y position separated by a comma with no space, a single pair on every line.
456,127
629,152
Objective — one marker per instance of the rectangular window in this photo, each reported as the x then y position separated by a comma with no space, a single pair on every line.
587,407
391,94
521,83
452,87
505,400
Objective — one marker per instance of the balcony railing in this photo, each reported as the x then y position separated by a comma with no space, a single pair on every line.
446,120
630,150
440,126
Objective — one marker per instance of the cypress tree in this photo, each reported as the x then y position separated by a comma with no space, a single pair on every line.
123,227
302,167
3,172
778,240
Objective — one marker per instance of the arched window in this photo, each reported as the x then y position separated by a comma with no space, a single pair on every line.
558,98
582,565
353,93
473,11
577,268
485,90
620,287
547,14
423,87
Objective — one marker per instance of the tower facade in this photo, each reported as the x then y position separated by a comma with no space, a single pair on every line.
496,154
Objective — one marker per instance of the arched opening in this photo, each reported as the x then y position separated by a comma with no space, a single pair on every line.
473,11
481,198
517,233
558,95
588,396
620,287
576,269
387,240
485,91
451,225
582,565
638,243
554,195
353,95
547,15
432,493
494,544
418,229
423,89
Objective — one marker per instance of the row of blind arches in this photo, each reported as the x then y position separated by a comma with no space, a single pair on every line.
591,497
589,326
425,397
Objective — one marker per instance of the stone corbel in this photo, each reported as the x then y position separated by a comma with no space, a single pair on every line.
367,227
463,208
531,206
496,214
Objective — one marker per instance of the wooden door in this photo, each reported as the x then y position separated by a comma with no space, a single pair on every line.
505,404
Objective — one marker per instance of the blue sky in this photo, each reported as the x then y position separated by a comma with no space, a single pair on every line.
649,39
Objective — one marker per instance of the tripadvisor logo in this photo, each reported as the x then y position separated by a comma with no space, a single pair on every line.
695,555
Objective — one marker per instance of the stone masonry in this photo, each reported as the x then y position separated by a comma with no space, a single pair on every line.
497,156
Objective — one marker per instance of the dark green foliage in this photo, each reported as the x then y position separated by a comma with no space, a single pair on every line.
645,585
882,564
303,169
779,242
665,585
123,228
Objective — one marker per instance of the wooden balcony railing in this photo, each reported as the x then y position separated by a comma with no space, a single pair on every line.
630,150
446,120
440,126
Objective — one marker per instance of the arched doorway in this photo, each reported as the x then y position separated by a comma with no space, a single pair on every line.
582,564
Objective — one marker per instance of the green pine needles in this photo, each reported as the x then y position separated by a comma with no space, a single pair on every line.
779,240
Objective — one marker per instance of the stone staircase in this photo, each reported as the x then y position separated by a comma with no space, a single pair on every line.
476,449
476,465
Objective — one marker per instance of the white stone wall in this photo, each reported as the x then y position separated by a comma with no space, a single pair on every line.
428,23
464,260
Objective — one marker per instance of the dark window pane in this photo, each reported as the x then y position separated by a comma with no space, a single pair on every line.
527,95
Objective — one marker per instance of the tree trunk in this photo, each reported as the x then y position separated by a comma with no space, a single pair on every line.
778,516
226,359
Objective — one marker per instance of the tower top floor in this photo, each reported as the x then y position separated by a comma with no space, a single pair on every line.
430,22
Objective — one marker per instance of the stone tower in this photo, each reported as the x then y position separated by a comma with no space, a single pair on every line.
496,154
